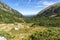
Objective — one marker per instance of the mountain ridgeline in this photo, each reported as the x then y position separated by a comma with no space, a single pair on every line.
43,26
9,15
50,11
49,16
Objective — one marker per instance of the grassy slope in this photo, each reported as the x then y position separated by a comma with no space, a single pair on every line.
7,17
24,31
43,30
51,25
30,33
50,10
49,16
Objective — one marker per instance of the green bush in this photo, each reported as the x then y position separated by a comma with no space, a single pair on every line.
48,34
5,34
55,22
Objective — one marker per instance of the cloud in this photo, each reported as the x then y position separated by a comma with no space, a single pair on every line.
46,3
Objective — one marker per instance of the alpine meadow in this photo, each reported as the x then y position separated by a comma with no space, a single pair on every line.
45,25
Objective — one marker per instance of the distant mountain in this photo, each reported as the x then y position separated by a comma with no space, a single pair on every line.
29,16
50,11
9,15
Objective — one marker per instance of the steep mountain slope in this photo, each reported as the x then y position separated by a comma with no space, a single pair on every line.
50,11
49,16
9,15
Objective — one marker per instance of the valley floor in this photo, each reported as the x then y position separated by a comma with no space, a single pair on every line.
20,31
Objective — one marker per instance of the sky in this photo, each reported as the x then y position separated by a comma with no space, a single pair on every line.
29,7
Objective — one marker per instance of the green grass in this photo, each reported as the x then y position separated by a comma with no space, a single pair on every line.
7,17
32,33
5,34
51,33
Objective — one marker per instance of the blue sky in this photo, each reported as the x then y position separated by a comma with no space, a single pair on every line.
29,7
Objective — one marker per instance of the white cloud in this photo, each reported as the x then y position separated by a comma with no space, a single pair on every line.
46,3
